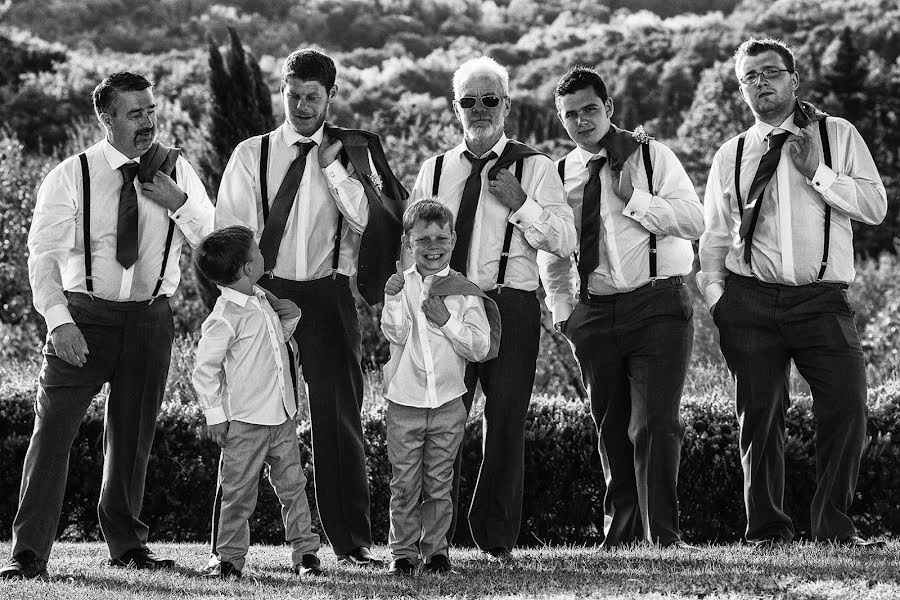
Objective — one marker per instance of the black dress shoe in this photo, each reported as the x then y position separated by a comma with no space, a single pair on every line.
141,558
501,554
222,570
858,542
402,566
361,557
309,566
438,564
24,565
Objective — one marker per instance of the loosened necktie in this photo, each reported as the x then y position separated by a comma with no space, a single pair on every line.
465,218
589,247
767,165
273,230
127,226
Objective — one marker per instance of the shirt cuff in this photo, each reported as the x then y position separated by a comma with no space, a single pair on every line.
216,415
713,292
336,173
638,205
57,315
562,311
453,328
190,210
289,325
824,177
527,214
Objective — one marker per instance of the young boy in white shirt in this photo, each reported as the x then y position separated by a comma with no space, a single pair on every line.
436,321
244,382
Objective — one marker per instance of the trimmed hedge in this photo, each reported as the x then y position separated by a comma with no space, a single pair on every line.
564,485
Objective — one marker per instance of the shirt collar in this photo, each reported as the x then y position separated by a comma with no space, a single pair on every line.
291,137
586,156
763,129
497,148
240,298
442,273
115,158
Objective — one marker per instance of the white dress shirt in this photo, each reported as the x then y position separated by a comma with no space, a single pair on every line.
789,236
428,363
673,212
307,247
242,372
544,222
56,244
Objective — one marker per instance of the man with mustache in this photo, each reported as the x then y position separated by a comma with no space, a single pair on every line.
325,208
508,203
775,263
629,317
104,244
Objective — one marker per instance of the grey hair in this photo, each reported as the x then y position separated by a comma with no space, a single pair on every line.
482,64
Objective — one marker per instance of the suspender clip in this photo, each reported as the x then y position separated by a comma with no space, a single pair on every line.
334,273
652,250
506,254
270,273
653,281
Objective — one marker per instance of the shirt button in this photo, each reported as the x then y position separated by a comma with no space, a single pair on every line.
632,213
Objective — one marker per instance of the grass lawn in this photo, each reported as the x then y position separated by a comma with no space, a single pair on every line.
799,571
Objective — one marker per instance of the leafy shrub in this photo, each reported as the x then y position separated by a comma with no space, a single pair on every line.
564,479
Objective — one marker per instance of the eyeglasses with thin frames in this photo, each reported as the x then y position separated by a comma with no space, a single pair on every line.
489,101
769,74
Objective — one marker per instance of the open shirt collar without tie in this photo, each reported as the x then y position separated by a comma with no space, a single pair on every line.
240,298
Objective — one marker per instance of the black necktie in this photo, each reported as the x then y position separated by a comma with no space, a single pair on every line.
127,227
465,218
589,248
767,165
273,230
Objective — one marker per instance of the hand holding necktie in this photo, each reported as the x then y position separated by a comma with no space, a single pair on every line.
506,189
803,153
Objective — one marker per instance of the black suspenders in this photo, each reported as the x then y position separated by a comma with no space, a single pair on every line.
264,199
507,235
86,195
648,169
826,151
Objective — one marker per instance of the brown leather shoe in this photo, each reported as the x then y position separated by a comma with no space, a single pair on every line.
141,558
24,565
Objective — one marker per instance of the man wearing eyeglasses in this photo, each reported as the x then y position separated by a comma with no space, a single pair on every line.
775,263
508,203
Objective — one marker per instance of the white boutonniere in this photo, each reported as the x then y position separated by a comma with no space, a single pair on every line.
641,136
375,180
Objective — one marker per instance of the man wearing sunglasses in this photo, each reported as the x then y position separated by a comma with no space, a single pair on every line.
508,203
775,263
630,320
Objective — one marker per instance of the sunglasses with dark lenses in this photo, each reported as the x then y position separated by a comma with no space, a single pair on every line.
488,101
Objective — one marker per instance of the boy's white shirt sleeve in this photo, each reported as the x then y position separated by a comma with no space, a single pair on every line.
395,320
208,377
469,333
